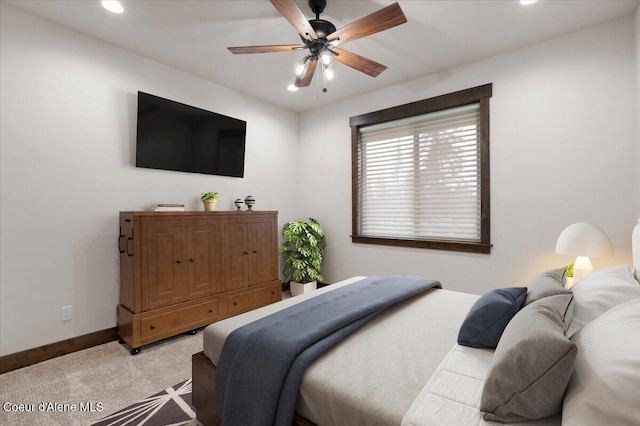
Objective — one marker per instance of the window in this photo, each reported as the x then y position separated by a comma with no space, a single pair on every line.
421,173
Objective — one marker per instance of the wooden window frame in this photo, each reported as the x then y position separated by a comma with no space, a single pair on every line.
479,94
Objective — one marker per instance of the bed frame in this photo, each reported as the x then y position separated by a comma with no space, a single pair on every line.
203,374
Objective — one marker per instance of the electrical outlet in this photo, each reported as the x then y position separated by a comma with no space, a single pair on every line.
66,314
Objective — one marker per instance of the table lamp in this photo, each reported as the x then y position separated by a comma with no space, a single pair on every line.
584,241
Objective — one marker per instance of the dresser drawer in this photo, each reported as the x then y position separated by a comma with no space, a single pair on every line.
179,320
252,299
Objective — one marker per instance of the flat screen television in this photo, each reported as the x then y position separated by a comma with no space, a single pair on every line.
175,136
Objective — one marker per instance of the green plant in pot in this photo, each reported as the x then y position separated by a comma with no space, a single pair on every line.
303,252
569,277
209,199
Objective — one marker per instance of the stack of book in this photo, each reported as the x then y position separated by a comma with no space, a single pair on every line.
167,207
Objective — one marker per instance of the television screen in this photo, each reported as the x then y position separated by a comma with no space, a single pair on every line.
175,136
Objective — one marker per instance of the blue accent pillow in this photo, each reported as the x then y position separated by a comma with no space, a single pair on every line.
489,316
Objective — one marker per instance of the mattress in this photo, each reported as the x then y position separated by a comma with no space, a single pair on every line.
348,385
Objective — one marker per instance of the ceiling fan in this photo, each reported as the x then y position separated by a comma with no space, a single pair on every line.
321,38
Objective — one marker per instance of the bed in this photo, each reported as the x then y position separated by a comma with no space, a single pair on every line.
405,366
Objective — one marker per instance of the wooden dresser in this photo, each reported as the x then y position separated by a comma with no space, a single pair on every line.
183,270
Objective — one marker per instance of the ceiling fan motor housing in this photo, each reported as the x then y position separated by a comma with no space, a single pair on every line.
322,28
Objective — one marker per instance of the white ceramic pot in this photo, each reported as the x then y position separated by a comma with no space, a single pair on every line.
568,282
300,288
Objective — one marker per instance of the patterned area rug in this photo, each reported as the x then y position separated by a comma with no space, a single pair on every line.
171,407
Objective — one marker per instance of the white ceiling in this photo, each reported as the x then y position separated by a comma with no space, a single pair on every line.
192,35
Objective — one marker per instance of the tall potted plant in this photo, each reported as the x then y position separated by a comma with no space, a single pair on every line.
303,252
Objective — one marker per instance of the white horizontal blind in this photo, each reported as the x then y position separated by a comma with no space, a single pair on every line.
419,177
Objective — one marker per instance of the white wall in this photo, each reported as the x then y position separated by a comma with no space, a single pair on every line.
638,112
564,135
563,143
67,145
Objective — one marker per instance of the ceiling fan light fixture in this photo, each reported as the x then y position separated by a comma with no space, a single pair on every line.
328,72
300,67
326,58
292,87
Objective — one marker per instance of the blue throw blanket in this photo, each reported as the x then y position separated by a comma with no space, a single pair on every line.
261,365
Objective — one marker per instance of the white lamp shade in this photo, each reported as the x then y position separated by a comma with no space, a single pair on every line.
584,239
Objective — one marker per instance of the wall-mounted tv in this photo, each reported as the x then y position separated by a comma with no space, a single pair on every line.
175,136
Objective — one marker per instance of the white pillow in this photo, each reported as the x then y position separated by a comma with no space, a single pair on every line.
604,386
600,291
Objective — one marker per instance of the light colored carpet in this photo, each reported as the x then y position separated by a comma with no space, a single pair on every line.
105,374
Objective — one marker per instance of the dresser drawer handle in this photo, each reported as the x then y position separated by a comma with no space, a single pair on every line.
273,292
235,303
153,327
129,244
120,239
210,310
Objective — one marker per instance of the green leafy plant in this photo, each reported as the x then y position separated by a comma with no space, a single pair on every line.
303,250
209,196
569,269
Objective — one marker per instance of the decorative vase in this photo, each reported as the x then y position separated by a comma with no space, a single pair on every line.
210,205
238,203
249,201
302,288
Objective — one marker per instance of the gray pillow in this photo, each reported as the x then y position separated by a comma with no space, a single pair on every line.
486,320
600,291
603,389
532,364
548,283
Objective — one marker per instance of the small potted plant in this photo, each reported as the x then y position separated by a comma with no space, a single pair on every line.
209,199
569,277
303,252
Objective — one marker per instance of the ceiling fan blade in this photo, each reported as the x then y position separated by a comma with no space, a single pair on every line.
290,10
381,20
358,62
265,49
306,80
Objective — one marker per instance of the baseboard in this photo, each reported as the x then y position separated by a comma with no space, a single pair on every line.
33,356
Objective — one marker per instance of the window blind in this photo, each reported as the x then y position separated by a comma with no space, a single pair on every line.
419,177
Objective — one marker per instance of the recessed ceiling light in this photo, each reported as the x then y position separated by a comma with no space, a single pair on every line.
292,88
112,6
527,2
